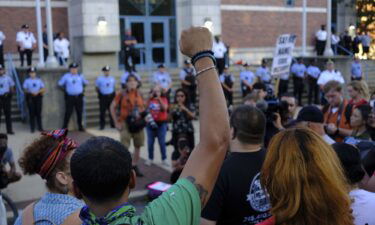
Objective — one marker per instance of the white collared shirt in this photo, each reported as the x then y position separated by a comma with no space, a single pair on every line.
62,47
219,49
26,39
327,76
321,35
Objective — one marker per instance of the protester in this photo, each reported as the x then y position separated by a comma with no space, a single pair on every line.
310,188
179,158
368,162
105,186
261,90
125,76
313,73
358,122
358,92
61,47
247,79
356,70
363,202
49,157
163,79
219,50
232,202
227,81
129,122
337,113
320,40
371,124
293,108
182,114
312,117
188,81
251,99
158,107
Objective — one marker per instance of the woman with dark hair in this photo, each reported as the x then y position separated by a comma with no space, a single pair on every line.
358,121
49,157
368,162
363,204
305,181
157,126
182,114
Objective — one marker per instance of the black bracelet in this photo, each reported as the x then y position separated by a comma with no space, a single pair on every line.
203,54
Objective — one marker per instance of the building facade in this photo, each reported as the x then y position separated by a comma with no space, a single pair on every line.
96,27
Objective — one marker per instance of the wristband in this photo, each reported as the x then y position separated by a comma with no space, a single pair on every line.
204,70
203,54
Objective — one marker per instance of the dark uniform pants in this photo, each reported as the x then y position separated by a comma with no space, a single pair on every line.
129,54
320,46
29,56
313,90
105,103
298,88
45,52
34,103
2,55
283,86
72,102
229,97
220,65
5,105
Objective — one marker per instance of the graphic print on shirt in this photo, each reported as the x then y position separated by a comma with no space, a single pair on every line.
257,196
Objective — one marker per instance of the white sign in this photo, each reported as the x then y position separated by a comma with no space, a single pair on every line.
283,54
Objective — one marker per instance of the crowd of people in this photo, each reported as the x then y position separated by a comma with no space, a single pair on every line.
267,161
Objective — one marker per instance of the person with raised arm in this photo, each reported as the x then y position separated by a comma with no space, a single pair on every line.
101,167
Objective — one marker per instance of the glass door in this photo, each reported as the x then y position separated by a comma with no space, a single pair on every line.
152,35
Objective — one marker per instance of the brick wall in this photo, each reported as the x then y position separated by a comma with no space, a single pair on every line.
310,3
11,23
260,29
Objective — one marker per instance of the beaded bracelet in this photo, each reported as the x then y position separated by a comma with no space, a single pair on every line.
203,54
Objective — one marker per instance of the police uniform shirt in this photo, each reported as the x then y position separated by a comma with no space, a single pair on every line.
73,84
6,82
263,74
125,76
106,84
248,76
33,85
298,69
321,35
313,71
219,49
184,72
327,76
224,76
356,69
162,79
2,37
26,39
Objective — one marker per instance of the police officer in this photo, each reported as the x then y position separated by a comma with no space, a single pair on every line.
73,84
356,70
34,89
188,82
26,44
263,74
298,70
227,81
129,42
124,78
313,73
6,90
163,79
247,80
105,86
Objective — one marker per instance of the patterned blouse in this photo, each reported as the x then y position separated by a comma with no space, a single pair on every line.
182,123
54,208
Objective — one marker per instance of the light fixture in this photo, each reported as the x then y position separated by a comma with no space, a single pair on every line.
208,24
102,21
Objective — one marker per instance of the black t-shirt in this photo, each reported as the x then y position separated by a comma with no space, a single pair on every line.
238,197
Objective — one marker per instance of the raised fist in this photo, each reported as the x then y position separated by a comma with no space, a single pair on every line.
194,40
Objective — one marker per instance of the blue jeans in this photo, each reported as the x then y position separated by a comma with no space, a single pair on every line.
159,133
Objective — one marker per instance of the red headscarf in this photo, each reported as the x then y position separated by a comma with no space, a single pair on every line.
57,153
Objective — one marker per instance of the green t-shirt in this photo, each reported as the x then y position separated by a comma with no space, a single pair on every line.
180,205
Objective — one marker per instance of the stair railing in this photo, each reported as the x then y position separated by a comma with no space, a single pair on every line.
12,72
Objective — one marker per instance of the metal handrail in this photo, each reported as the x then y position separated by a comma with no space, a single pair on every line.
345,50
19,91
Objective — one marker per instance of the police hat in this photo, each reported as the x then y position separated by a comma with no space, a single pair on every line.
106,68
187,62
31,70
25,26
161,66
73,65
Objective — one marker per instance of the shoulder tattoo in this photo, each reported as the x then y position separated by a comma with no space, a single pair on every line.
203,193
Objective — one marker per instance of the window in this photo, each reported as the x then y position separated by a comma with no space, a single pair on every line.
290,3
132,7
162,7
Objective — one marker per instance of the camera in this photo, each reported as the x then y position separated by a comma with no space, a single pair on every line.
274,105
150,121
